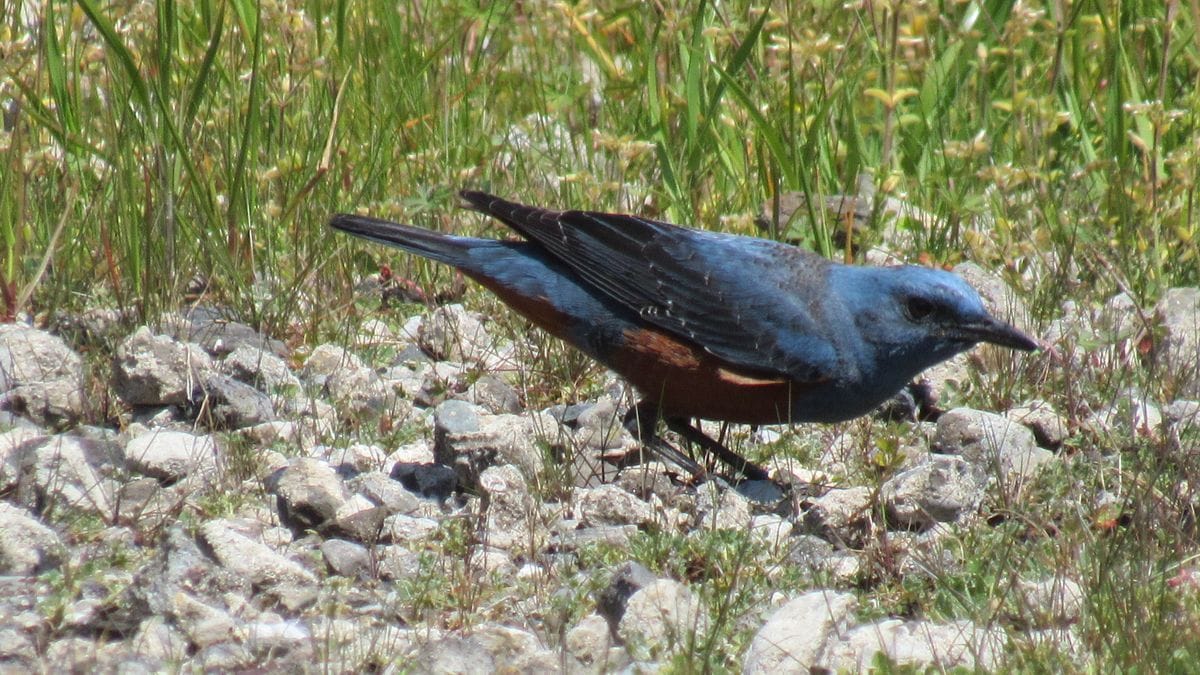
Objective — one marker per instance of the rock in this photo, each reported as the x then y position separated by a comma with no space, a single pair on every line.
648,480
383,491
234,405
456,654
251,559
270,433
451,333
573,539
1105,338
568,415
942,489
401,528
57,403
439,381
509,508
919,644
1182,414
17,650
397,562
348,380
796,636
15,444
1048,427
457,418
841,514
431,481
185,586
590,642
661,618
362,643
358,519
357,458
156,370
419,452
771,529
40,376
145,504
471,442
600,427
1130,411
407,377
627,580
991,444
610,505
494,563
170,456
722,509
815,557
494,395
944,385
156,639
274,637
374,333
310,493
1178,313
219,335
26,545
260,369
761,494
1052,602
515,651
60,471
204,624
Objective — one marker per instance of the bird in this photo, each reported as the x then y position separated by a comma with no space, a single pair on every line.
709,325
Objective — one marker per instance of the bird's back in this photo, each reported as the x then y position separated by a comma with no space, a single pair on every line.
704,324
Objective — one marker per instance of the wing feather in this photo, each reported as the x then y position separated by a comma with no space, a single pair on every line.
748,301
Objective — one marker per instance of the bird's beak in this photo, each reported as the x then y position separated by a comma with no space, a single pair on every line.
998,333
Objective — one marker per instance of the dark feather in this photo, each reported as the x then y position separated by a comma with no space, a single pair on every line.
747,315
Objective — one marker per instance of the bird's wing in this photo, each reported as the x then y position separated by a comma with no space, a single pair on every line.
739,298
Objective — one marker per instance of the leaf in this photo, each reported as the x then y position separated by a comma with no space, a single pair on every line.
113,42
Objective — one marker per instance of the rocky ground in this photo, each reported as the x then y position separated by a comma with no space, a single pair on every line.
390,502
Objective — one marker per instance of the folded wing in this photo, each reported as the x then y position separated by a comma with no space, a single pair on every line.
747,301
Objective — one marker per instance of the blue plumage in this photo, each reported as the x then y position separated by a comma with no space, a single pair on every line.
714,325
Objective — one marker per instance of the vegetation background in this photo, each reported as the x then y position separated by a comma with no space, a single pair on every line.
145,144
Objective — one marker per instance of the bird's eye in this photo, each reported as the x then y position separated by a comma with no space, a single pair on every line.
918,309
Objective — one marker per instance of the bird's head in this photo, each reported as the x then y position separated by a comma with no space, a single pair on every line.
917,317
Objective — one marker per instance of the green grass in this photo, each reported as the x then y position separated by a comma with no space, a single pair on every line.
146,143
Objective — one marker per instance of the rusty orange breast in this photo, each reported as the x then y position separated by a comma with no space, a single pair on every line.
682,378
687,381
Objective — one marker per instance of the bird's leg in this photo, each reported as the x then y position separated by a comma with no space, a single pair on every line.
642,422
735,461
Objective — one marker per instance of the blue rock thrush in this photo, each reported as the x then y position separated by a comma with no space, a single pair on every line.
709,325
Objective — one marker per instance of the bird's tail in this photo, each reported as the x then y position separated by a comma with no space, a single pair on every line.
433,245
